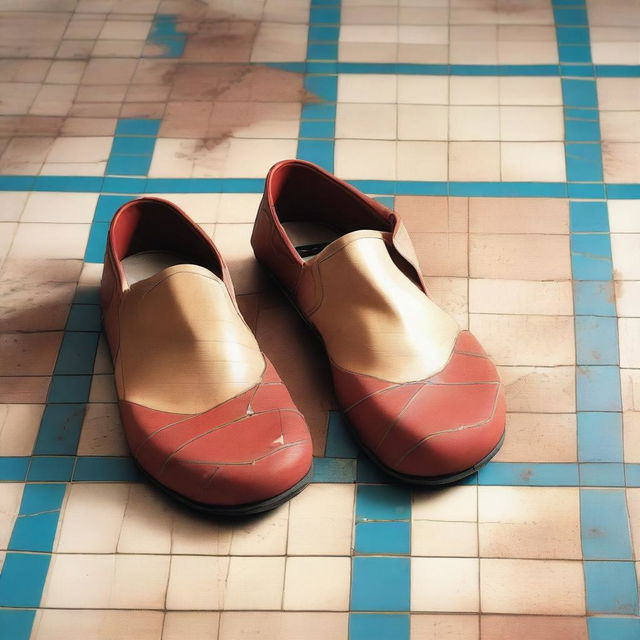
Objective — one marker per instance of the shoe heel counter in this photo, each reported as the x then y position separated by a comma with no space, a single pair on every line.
271,250
108,302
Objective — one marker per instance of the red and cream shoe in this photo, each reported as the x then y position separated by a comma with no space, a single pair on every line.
421,396
205,414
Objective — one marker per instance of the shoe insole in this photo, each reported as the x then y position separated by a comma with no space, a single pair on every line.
309,238
140,266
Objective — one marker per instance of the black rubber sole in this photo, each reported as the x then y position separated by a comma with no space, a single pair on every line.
426,481
411,479
233,511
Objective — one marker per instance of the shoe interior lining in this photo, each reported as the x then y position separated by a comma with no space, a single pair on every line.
150,226
309,238
302,194
143,265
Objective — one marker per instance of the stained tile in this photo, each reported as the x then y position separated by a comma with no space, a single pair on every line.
519,256
526,339
64,624
197,582
107,581
92,518
444,584
317,583
539,437
533,627
321,521
549,587
452,626
277,625
529,522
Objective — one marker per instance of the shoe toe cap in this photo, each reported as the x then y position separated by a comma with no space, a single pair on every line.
437,427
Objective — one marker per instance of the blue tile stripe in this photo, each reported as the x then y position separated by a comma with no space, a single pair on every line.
28,556
316,136
127,168
115,185
609,571
566,68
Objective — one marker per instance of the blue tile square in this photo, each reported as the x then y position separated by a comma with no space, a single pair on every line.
579,93
323,34
387,201
77,353
324,87
393,538
379,626
340,444
133,146
581,131
613,628
22,579
371,473
604,525
37,498
602,474
591,257
87,184
324,15
128,165
334,470
84,317
318,111
611,587
105,469
383,502
87,294
137,127
16,624
97,242
585,190
598,388
133,186
107,206
576,17
13,468
51,468
574,53
594,297
380,584
34,533
69,389
632,475
596,340
322,51
589,216
317,129
60,429
599,436
319,152
584,162
572,35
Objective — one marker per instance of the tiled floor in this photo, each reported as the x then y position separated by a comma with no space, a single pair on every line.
507,135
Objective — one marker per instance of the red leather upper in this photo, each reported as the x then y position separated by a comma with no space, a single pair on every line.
440,426
247,449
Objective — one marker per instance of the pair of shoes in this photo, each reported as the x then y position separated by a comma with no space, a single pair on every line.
205,413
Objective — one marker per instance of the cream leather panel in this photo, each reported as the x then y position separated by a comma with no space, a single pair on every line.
184,347
372,318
